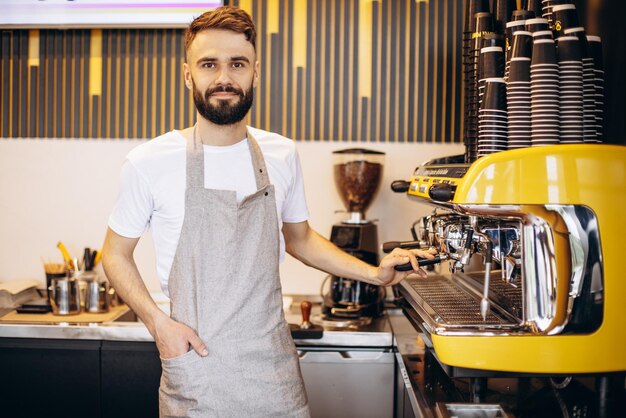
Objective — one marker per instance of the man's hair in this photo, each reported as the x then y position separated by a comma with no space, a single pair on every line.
226,18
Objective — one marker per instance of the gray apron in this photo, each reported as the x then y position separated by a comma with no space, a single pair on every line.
224,284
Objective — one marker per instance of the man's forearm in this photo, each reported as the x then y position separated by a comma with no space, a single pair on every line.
316,251
125,278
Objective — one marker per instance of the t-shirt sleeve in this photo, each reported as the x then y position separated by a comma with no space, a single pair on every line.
295,208
132,212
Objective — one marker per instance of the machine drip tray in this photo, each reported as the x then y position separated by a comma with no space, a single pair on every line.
448,303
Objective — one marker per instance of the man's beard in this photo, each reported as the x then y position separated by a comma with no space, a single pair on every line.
223,113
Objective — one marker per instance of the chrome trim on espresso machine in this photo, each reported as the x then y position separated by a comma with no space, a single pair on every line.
528,292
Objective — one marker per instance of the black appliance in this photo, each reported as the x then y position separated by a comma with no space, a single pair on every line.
358,173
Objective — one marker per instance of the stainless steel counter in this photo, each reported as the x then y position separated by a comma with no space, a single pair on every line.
377,334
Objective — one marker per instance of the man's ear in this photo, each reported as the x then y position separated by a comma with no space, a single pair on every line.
257,69
187,76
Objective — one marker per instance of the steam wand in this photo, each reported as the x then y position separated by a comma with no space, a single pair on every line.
488,247
484,302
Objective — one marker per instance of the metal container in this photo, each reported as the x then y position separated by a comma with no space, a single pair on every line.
97,296
64,296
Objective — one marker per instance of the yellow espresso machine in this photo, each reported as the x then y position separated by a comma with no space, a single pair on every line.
532,281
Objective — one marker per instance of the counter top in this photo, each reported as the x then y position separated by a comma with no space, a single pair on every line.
378,334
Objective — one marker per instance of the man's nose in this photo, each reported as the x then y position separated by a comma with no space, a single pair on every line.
223,76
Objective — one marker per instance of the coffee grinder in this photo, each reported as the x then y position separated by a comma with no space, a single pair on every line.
358,173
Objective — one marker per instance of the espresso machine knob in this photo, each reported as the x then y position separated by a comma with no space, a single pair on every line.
400,186
442,192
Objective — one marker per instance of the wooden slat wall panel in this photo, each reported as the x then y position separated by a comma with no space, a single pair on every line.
414,76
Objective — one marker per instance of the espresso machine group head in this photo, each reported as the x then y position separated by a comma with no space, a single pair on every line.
533,282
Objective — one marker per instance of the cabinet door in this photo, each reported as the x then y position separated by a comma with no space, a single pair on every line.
407,405
130,379
45,378
349,383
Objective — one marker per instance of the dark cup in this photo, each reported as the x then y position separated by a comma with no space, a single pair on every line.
522,45
565,16
503,10
518,15
568,49
495,94
473,7
548,6
579,32
595,50
535,7
520,69
493,39
537,24
544,52
543,34
492,62
484,23
492,119
511,29
491,123
487,141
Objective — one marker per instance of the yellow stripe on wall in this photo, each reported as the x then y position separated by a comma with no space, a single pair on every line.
95,63
299,33
272,16
33,48
365,48
246,5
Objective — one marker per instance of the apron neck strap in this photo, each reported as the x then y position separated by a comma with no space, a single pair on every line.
195,161
258,162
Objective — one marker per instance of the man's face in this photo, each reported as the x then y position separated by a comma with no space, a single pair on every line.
222,72
224,112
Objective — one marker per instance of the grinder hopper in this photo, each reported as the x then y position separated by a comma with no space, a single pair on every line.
358,173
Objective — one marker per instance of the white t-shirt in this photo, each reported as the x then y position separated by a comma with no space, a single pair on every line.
153,181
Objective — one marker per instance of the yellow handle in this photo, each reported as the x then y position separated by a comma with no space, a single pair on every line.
66,255
98,258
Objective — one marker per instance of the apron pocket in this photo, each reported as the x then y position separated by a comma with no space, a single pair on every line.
189,356
182,388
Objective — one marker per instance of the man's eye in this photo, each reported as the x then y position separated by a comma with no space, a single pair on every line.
208,65
238,64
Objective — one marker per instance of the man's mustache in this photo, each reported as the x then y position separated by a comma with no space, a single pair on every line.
223,89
